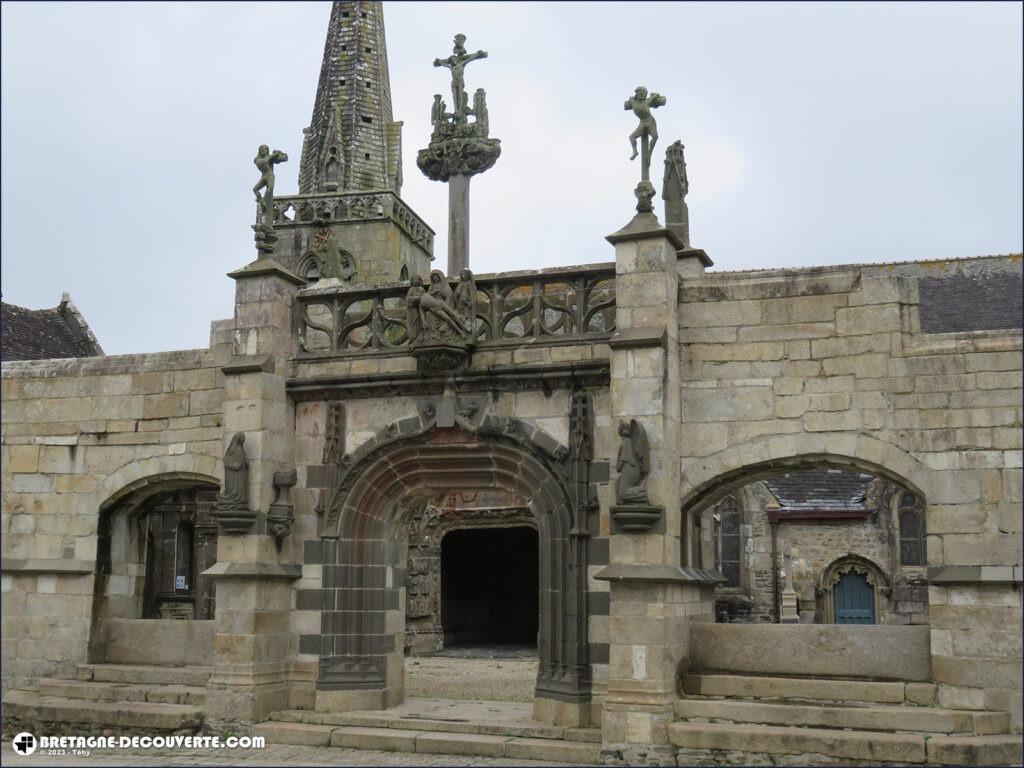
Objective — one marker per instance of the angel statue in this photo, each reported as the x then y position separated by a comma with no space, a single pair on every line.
633,464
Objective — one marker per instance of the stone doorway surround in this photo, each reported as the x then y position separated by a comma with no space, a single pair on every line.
364,601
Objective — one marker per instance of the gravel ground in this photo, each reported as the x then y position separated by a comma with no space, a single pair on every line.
438,677
279,755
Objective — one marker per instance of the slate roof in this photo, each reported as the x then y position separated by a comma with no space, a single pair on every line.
962,302
820,489
42,334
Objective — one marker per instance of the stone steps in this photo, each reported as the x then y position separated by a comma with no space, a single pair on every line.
386,719
431,741
60,715
108,691
746,743
143,674
892,718
814,689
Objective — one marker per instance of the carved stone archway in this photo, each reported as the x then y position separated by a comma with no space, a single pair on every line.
402,466
851,563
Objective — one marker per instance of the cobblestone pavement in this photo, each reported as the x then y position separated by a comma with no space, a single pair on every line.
275,755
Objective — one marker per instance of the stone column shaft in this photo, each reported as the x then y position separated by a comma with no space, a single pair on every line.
458,223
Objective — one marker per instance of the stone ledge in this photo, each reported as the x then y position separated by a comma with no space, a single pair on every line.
262,267
974,574
633,338
65,567
542,376
249,364
657,573
645,226
222,570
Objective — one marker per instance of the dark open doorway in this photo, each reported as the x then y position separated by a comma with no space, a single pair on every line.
489,587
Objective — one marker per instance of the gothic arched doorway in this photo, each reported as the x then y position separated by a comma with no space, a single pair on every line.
364,591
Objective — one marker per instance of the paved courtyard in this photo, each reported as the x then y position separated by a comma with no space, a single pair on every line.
276,755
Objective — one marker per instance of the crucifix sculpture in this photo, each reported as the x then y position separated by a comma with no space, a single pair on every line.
641,104
457,64
458,149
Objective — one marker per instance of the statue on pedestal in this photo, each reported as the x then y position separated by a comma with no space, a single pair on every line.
438,321
633,511
633,464
232,509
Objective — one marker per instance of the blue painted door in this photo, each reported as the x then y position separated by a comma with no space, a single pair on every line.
854,600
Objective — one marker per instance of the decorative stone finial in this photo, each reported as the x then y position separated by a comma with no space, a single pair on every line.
674,190
641,104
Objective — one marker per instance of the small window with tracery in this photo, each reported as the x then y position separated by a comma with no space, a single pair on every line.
913,546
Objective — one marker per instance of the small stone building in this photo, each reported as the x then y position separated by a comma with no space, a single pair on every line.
278,518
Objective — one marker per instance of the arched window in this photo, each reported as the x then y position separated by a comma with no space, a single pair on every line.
913,545
312,275
728,513
404,274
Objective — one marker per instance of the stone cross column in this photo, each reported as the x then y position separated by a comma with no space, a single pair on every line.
458,223
653,599
254,573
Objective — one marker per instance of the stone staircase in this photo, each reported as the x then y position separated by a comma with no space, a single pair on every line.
114,698
743,719
501,729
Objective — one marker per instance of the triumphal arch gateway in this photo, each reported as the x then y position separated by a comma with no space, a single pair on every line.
742,517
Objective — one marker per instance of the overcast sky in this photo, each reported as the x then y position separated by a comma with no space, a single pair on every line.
815,134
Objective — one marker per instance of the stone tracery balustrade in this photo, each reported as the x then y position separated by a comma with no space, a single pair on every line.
576,303
293,210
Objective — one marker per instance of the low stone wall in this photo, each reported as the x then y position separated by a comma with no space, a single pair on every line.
832,650
161,642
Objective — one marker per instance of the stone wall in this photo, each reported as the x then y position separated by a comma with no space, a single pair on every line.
80,435
789,366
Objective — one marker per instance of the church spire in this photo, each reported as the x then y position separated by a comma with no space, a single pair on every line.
352,142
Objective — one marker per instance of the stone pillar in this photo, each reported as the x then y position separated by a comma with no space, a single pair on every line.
458,223
253,575
653,598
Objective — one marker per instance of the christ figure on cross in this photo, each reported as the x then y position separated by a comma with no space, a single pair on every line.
647,131
457,64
